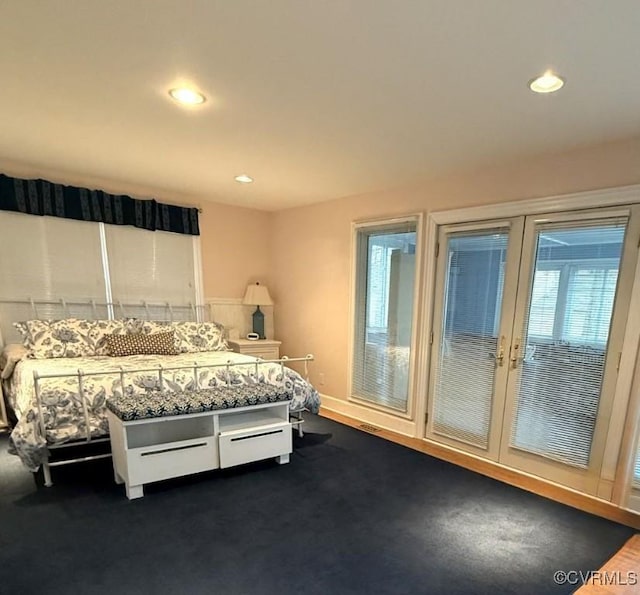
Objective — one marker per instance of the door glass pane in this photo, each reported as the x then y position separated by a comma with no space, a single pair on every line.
562,356
464,375
544,297
386,269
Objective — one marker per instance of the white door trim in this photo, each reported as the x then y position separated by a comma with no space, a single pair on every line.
607,197
591,199
414,375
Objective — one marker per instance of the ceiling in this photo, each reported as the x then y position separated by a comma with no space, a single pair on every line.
314,99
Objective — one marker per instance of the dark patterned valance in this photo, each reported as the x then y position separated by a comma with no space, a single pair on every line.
39,197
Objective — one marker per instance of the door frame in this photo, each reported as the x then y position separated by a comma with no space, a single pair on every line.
585,480
609,197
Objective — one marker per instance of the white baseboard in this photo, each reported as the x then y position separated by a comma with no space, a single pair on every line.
380,419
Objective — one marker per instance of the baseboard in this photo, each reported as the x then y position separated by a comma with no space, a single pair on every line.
378,417
527,482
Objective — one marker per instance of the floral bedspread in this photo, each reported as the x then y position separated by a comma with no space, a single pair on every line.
61,404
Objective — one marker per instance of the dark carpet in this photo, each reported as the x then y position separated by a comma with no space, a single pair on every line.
351,513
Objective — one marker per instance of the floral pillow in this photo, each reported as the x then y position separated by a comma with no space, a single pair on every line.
191,337
99,330
52,338
71,337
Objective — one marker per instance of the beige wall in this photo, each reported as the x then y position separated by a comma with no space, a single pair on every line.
303,254
235,249
311,245
235,241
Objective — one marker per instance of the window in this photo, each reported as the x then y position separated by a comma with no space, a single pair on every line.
49,259
544,297
590,296
384,294
636,471
572,301
153,267
378,286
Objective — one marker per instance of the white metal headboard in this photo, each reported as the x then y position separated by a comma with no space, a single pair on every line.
28,309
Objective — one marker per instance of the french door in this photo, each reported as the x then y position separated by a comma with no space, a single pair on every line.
528,324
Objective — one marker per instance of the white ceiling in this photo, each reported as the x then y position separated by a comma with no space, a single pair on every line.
316,99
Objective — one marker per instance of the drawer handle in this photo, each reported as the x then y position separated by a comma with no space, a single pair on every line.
256,435
159,452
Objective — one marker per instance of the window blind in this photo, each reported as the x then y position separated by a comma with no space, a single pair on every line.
153,267
565,339
43,258
465,369
63,261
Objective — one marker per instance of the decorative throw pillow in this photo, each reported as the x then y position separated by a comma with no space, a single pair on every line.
192,337
152,344
70,337
97,332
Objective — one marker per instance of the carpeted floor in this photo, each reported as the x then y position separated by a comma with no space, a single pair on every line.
351,513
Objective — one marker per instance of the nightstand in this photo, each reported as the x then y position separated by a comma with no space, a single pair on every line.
264,348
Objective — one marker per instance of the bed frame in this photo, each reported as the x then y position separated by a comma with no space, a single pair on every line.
90,309
296,418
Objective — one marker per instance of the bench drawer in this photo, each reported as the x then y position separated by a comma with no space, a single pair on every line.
254,444
174,459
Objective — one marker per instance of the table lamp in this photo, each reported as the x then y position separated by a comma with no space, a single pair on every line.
257,295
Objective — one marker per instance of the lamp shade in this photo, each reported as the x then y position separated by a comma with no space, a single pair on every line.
257,295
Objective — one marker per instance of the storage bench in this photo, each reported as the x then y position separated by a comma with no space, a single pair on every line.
162,435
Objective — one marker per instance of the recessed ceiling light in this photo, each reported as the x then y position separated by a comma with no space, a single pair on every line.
187,96
547,83
244,179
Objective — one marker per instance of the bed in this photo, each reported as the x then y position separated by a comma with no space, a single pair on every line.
58,382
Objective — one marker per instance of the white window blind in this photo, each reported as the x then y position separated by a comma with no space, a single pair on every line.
472,309
565,339
384,313
55,259
45,257
48,259
154,267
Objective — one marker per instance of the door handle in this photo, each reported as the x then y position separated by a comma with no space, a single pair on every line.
499,356
514,353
